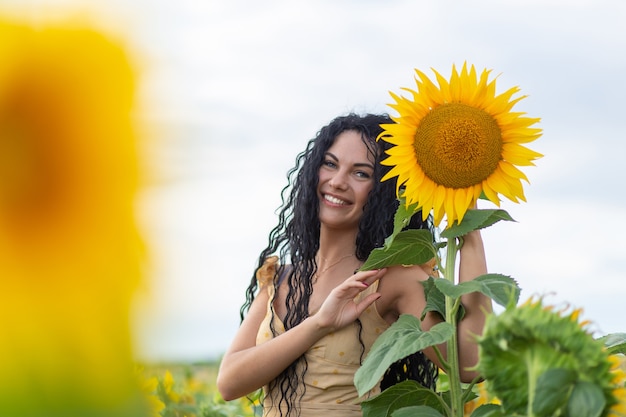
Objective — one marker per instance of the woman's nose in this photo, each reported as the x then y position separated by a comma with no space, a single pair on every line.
339,181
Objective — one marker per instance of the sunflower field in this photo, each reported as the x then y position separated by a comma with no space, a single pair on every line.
188,390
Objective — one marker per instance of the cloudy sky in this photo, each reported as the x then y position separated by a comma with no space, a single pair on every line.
232,91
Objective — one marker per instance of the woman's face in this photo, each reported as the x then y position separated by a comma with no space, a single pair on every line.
345,180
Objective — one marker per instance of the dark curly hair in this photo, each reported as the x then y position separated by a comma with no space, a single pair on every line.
296,241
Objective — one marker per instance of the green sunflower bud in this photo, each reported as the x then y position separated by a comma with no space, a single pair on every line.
542,362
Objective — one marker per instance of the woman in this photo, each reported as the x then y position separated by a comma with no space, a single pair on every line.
310,318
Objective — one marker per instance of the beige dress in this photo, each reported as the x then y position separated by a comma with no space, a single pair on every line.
332,363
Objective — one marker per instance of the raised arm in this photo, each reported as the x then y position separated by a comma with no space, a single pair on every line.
247,366
403,293
472,264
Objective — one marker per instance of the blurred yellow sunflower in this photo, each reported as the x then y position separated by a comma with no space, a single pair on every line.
149,388
482,397
70,253
456,141
618,370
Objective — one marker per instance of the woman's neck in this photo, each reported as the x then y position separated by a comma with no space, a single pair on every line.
336,243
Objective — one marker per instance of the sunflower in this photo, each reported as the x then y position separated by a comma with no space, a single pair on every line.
482,397
70,252
618,368
149,388
458,141
539,361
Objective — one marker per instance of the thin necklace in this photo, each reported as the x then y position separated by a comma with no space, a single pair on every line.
317,274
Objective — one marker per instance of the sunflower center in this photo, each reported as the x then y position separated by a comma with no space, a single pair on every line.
458,145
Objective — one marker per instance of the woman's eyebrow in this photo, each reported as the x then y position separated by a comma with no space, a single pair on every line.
364,164
358,164
330,154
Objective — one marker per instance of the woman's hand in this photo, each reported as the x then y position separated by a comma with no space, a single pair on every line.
339,309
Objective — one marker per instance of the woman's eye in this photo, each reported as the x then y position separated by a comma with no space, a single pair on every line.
329,164
363,174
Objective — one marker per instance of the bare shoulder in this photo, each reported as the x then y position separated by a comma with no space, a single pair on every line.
398,277
401,292
255,315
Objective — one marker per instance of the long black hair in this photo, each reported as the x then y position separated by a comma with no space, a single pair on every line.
295,239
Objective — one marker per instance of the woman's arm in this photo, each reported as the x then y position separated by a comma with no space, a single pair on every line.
403,293
247,366
471,265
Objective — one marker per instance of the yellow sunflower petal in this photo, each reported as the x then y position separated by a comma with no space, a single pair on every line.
511,170
430,93
497,184
428,188
619,409
518,154
525,122
477,192
467,84
522,135
394,172
502,103
463,199
515,186
480,96
448,205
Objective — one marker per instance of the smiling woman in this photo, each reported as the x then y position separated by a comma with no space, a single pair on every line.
311,317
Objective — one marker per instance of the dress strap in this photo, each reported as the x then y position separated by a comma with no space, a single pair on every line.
266,272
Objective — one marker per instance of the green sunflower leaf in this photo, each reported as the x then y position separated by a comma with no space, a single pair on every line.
404,394
552,391
489,410
416,410
587,400
500,288
410,247
443,388
401,219
614,342
476,220
402,338
435,299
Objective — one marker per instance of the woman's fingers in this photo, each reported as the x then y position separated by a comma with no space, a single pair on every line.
360,281
369,277
340,308
366,302
356,284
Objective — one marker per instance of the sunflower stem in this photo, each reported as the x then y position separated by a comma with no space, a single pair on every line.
442,359
532,380
456,393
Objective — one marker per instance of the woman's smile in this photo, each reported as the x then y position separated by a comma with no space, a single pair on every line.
335,200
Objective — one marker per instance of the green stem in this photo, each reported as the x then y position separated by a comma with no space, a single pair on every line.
469,389
456,393
442,360
532,380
